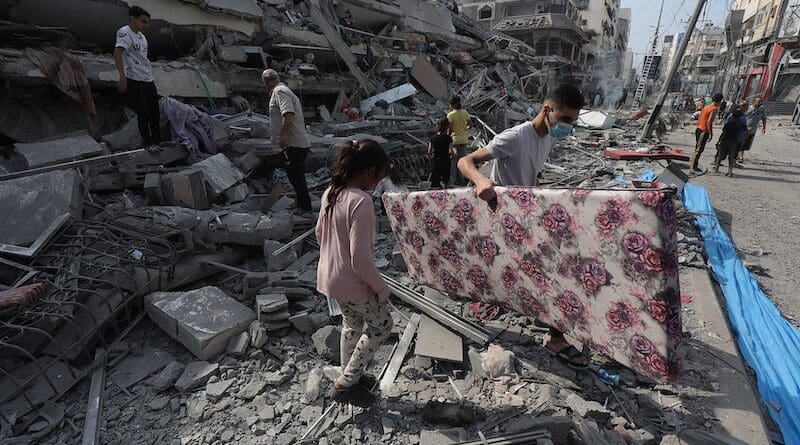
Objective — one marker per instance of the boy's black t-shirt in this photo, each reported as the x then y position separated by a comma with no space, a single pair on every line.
441,145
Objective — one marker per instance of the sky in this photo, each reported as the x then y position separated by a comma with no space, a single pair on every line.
673,21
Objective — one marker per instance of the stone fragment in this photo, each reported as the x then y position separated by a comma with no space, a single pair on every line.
588,408
301,322
219,389
64,148
219,173
258,335
237,345
272,302
158,403
442,437
203,320
196,375
326,342
252,389
168,376
276,378
249,229
278,261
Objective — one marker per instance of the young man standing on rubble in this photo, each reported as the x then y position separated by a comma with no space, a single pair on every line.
705,130
136,79
459,126
288,128
520,153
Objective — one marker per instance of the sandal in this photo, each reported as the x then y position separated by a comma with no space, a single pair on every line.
567,355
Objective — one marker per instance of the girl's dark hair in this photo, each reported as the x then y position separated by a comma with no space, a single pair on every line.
353,158
443,125
394,175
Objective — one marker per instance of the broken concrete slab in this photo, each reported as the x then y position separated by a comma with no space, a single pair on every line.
390,96
252,389
443,437
237,193
196,375
301,322
203,320
436,341
65,148
270,303
185,189
133,369
258,335
126,138
249,229
58,376
219,173
34,203
168,376
428,76
588,408
348,128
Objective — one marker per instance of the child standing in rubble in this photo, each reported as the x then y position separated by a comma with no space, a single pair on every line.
442,149
346,271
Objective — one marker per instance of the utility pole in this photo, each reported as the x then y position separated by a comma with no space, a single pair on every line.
648,128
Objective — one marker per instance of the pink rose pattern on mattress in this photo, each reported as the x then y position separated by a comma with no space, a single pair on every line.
599,265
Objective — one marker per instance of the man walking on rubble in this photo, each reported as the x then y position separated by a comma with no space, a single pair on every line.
459,127
520,153
705,130
754,117
136,79
288,127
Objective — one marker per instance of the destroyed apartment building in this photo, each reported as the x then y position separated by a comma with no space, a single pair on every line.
168,294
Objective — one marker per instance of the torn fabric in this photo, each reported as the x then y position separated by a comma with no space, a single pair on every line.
188,126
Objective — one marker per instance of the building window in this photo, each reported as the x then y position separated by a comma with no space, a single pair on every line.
485,13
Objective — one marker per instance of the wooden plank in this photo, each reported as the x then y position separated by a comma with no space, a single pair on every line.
94,409
335,39
399,354
436,341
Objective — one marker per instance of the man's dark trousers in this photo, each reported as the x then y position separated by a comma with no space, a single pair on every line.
143,99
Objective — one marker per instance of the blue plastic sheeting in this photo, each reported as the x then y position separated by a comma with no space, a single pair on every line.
769,343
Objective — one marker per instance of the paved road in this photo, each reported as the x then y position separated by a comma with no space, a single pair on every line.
760,207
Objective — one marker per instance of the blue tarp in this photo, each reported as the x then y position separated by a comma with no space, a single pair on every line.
769,343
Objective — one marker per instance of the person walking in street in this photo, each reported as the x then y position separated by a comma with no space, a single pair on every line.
705,130
460,124
729,140
520,153
346,271
442,150
136,81
756,116
288,126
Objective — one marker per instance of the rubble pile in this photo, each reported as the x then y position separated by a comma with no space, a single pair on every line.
177,285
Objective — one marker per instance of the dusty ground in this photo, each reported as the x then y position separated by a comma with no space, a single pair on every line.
759,206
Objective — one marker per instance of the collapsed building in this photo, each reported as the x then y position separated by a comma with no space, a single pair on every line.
98,235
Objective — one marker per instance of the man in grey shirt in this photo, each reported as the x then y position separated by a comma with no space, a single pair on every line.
520,153
288,127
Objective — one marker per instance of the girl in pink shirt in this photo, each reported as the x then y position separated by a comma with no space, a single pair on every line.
346,271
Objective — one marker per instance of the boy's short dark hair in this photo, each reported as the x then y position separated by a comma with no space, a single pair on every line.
717,98
566,95
137,11
455,102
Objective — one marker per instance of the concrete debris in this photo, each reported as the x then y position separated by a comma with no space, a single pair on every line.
55,151
219,389
326,342
499,365
168,376
237,345
195,375
38,202
219,174
281,260
390,96
258,335
203,320
436,341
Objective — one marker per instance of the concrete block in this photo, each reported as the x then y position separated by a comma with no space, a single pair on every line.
247,162
280,261
301,322
270,303
152,189
30,205
326,342
203,320
196,375
258,335
219,173
249,230
126,138
443,436
72,147
185,189
219,389
237,193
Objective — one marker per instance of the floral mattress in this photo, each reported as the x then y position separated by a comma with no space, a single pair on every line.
599,265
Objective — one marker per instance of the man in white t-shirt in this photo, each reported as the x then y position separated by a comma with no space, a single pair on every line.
136,80
520,153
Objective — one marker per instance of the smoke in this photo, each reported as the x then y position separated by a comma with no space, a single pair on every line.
607,78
